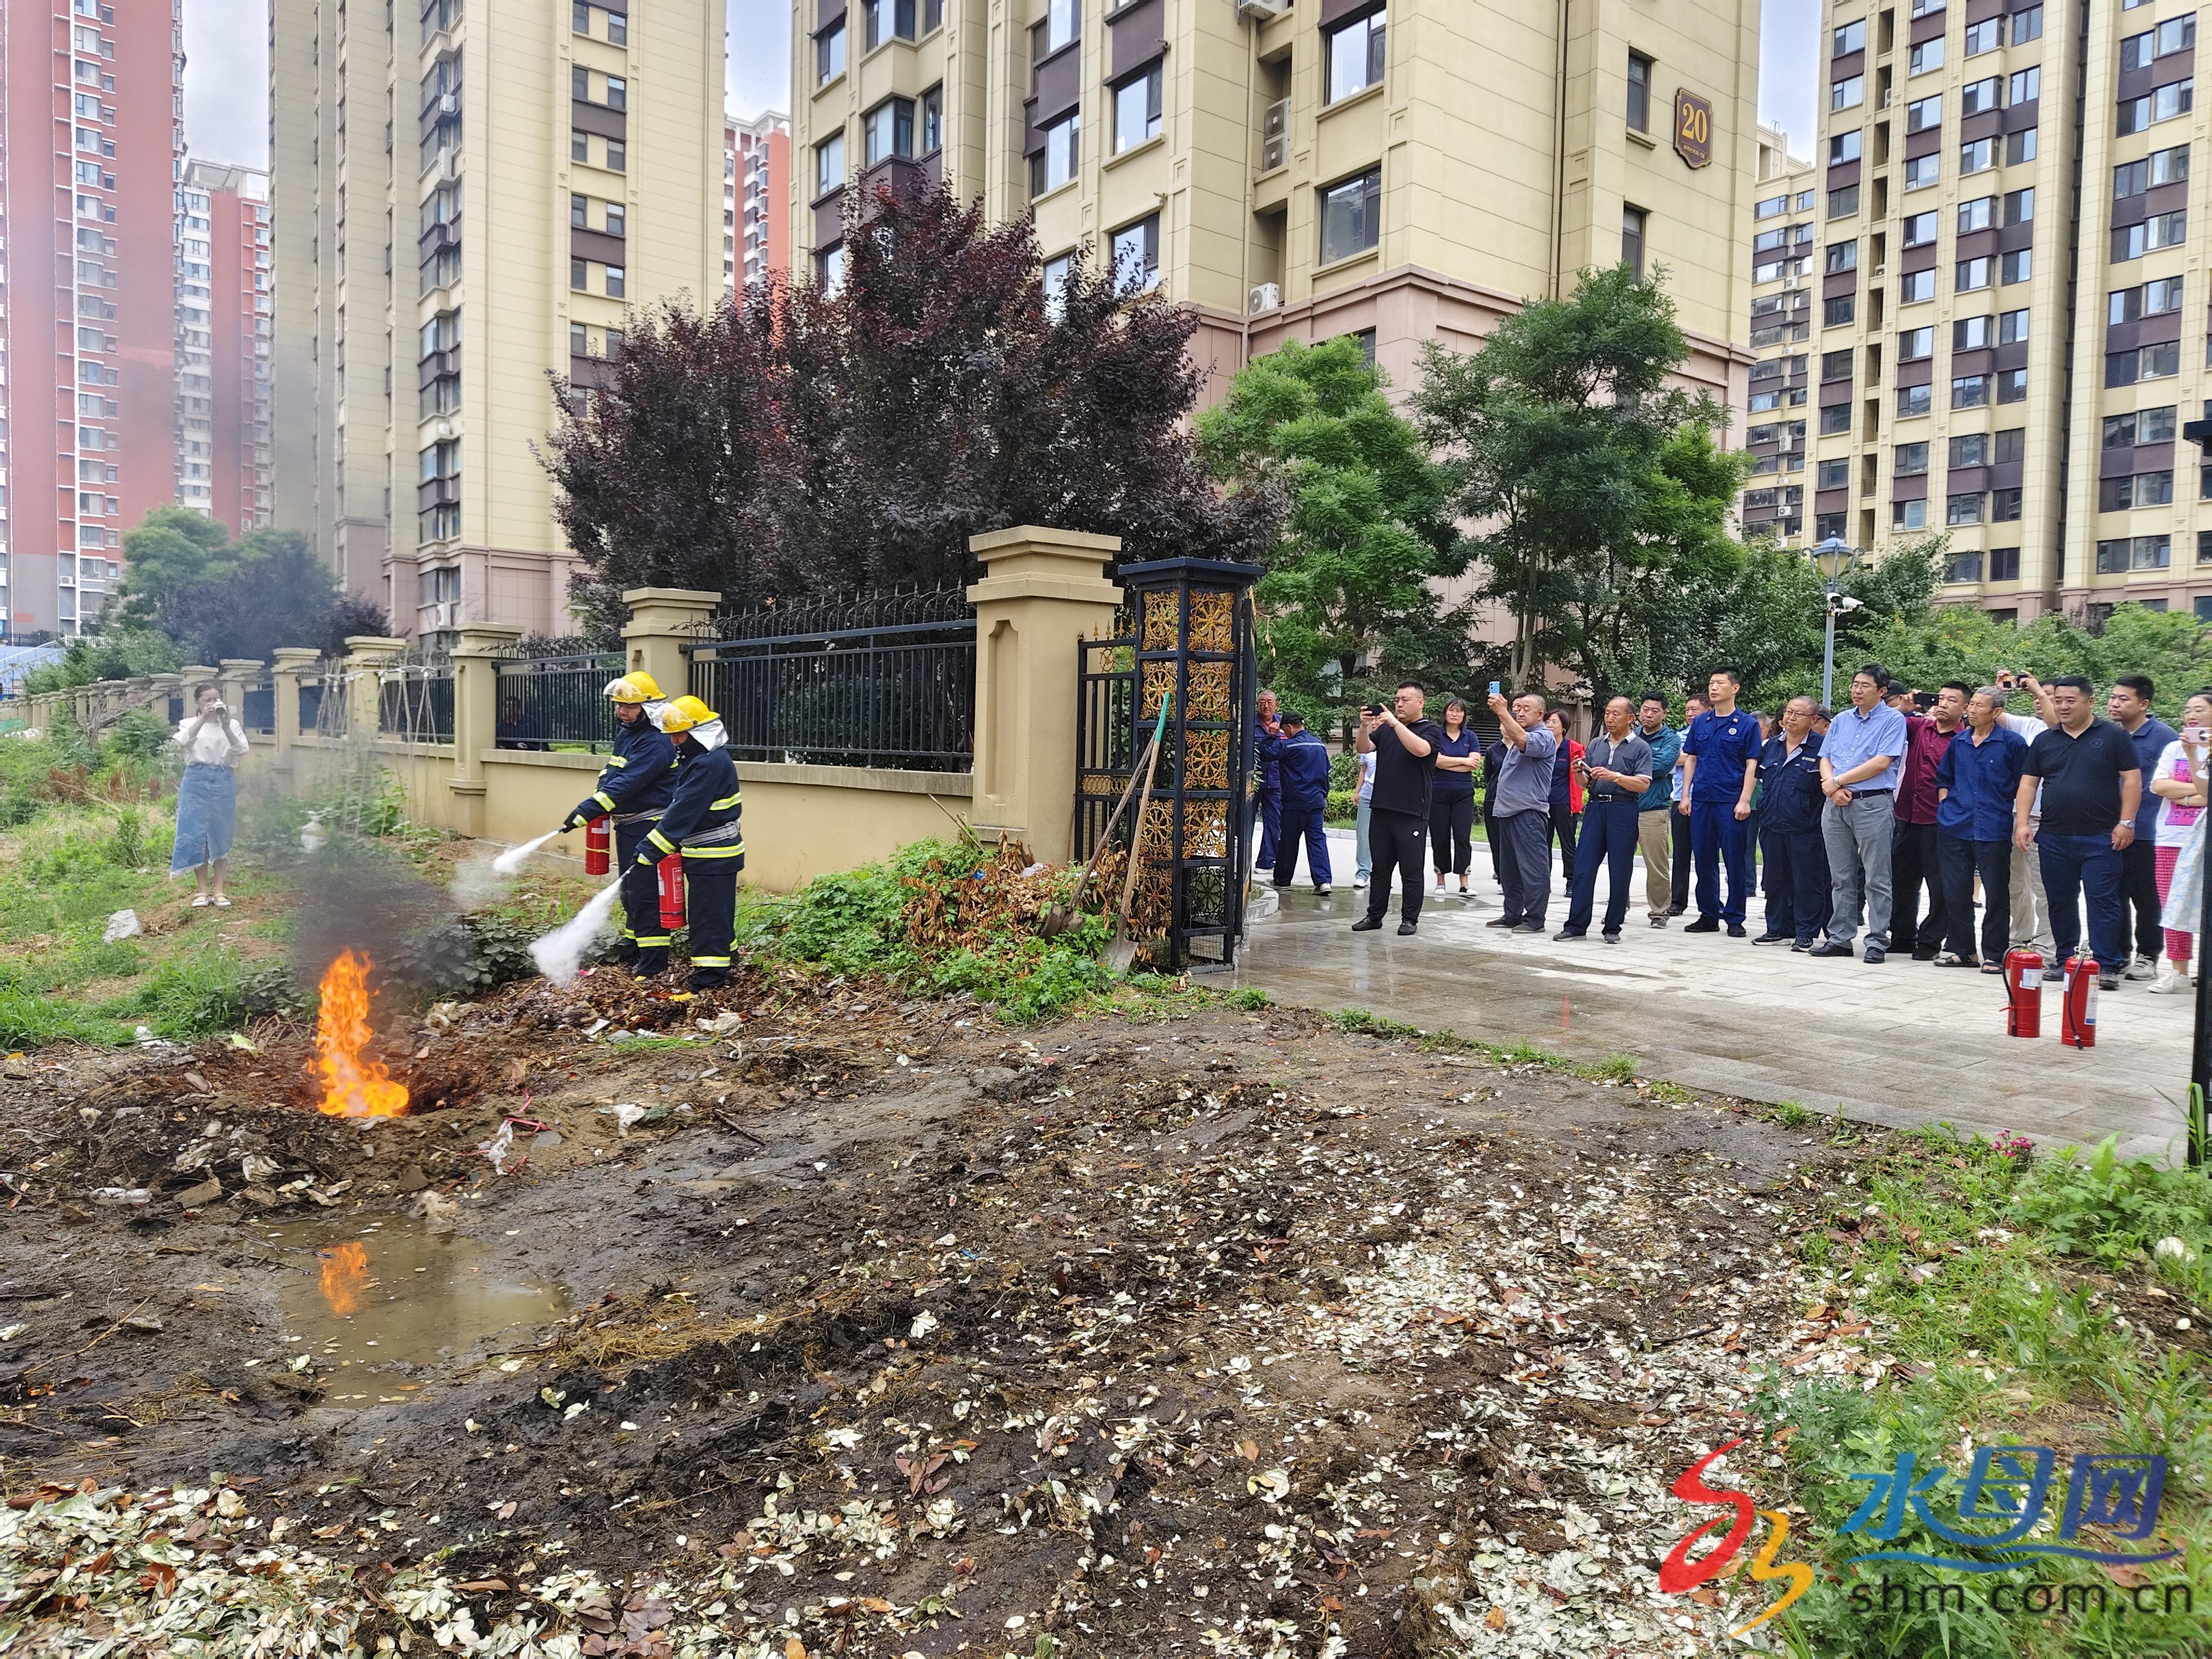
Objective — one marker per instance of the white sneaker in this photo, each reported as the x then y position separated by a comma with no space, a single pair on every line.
2171,981
1359,882
2140,967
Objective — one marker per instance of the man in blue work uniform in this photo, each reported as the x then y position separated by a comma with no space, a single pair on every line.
1267,751
1305,761
1797,888
633,789
1720,769
702,822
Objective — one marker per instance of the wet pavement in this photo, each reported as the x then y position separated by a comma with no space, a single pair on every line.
1903,1044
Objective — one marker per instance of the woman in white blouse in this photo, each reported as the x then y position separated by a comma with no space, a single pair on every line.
207,799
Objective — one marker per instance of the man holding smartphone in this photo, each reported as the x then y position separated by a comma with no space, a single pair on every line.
1404,747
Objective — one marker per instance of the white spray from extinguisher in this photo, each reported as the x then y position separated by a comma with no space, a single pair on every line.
559,953
510,862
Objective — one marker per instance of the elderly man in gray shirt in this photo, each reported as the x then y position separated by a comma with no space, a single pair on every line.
1521,810
1862,759
1616,768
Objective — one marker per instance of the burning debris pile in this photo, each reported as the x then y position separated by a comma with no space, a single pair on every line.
354,1082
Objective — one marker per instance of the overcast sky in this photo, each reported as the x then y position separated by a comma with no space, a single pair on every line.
227,75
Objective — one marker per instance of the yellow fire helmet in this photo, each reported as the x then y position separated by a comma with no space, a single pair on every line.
636,686
684,714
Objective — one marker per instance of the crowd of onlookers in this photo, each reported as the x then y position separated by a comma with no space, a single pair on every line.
1883,818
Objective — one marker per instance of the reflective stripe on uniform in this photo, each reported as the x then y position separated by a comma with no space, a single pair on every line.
710,961
734,851
660,841
651,941
616,761
605,799
723,804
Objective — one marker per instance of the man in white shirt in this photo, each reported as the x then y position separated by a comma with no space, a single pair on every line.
2031,909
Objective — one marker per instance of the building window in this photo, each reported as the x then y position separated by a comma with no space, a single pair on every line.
618,29
1844,204
1843,256
1908,515
1928,54
580,22
1350,216
932,120
1633,222
1353,57
1834,418
1963,509
1639,93
1963,567
1909,460
1915,400
1137,109
579,343
2134,553
1835,475
2016,267
2163,167
1825,525
1844,147
887,130
1915,344
1970,392
829,270
1848,93
1772,206
2027,26
580,145
1063,21
617,284
1137,255
2004,506
1922,171
830,53
617,219
2142,490
2019,206
889,18
1977,214
617,93
1920,229
1976,96
1970,333
2162,104
1850,37
2012,385
579,275
1984,37
1924,113
1972,275
1836,365
830,164
2025,86
1977,156
1057,273
2020,146
578,213
1055,164
580,84
1838,311
618,155
2160,230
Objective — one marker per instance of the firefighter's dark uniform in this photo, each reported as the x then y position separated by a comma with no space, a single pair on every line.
702,821
633,789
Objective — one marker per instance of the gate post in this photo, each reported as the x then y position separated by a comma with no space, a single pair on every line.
659,627
1042,593
475,716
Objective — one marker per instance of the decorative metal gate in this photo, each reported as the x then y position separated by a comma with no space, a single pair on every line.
1188,634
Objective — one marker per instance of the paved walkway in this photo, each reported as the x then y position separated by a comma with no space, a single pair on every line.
1903,1044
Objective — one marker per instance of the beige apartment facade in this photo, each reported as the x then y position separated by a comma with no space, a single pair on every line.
1785,251
1408,173
467,202
1995,361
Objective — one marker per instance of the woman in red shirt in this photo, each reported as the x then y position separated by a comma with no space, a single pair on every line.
1567,793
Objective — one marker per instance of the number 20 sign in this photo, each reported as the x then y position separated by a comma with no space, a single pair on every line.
1693,129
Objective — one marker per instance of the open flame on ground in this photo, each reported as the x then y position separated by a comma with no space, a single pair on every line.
345,1276
354,1082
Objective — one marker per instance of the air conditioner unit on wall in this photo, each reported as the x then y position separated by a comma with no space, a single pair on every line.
1262,9
1267,296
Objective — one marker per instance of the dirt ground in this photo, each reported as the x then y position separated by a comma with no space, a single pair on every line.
884,1329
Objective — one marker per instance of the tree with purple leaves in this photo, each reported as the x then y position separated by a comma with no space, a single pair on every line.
818,441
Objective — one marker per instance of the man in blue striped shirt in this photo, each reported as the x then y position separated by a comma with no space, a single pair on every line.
1860,764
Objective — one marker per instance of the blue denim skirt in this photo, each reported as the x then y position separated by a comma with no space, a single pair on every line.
207,816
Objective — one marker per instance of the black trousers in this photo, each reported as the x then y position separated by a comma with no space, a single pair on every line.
1798,895
710,912
1608,838
1490,839
1451,832
1913,861
1962,861
1562,829
1524,848
2139,896
640,898
1394,841
1683,862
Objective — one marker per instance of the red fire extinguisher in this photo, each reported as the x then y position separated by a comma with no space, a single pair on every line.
595,847
2023,978
2077,1019
671,891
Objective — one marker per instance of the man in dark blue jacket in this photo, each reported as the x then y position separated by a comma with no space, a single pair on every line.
1797,885
1305,761
1977,785
703,824
633,789
1267,749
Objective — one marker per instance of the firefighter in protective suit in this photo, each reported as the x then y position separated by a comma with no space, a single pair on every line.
633,789
702,823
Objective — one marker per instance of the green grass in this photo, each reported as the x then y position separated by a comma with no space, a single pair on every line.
1996,1285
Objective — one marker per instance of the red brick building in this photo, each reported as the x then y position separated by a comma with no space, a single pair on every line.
756,186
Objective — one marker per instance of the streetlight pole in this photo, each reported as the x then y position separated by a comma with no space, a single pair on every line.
1837,552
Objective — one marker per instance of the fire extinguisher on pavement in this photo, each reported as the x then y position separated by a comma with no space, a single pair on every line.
595,862
671,891
2077,1019
2023,980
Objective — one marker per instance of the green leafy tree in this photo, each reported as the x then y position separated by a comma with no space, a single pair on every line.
1564,441
1349,601
111,654
171,554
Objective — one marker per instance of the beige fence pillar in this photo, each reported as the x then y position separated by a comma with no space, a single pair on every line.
475,716
294,664
661,622
1042,592
365,655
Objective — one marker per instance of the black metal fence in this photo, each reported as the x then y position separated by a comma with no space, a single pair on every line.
882,679
322,700
414,699
257,712
557,702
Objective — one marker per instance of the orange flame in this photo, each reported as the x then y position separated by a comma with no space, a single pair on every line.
353,1083
345,1276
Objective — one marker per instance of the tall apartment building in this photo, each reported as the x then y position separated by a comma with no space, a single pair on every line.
1784,235
756,198
553,165
223,344
1304,171
91,151
2006,279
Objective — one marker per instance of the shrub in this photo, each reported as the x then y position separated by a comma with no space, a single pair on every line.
1341,807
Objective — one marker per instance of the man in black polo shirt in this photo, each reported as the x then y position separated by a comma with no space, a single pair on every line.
2091,784
1398,809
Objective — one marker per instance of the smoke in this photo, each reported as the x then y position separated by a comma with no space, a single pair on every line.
509,863
354,897
483,881
561,952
